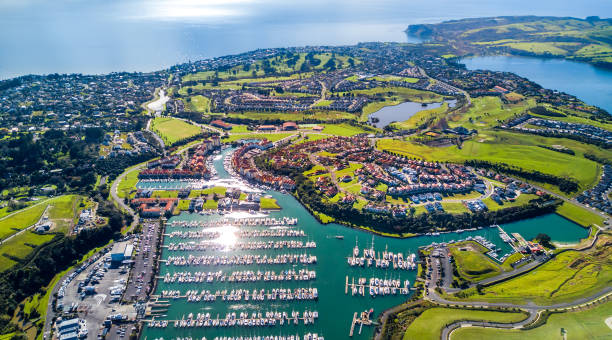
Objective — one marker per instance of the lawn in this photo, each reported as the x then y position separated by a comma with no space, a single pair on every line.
523,199
323,103
586,324
268,203
172,130
429,325
63,210
579,215
183,205
343,130
568,276
200,104
214,190
210,205
128,184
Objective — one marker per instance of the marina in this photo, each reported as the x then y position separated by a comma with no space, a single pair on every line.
337,307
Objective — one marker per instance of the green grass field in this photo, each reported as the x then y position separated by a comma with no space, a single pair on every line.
579,215
587,324
429,325
21,219
200,104
172,130
268,203
343,130
128,184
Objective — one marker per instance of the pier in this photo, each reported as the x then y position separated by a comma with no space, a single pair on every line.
238,222
240,276
376,287
204,320
363,319
239,260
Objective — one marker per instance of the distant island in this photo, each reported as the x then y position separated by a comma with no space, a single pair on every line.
588,40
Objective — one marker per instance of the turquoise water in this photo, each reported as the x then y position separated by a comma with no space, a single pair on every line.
335,308
101,36
591,84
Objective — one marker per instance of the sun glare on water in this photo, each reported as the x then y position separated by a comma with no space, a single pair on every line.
227,237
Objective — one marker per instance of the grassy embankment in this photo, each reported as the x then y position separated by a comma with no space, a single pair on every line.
579,215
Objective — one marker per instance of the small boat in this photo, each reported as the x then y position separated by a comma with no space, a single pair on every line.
339,237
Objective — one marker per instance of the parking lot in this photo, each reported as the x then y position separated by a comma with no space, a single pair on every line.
145,245
94,294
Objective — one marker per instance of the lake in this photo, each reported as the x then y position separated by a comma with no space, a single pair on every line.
591,84
101,36
403,111
335,308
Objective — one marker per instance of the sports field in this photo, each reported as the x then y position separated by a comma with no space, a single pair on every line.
172,130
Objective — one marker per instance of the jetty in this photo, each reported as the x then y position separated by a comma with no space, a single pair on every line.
363,319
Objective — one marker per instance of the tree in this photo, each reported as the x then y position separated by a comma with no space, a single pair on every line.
544,240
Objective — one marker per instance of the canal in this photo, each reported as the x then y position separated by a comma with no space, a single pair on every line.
334,307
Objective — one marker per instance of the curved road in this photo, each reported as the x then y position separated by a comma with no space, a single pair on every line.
531,308
119,200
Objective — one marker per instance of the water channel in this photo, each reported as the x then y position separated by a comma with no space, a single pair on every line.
335,308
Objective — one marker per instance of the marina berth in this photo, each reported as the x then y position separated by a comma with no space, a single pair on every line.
203,234
240,276
243,319
240,260
307,336
238,295
238,222
270,245
377,287
385,260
